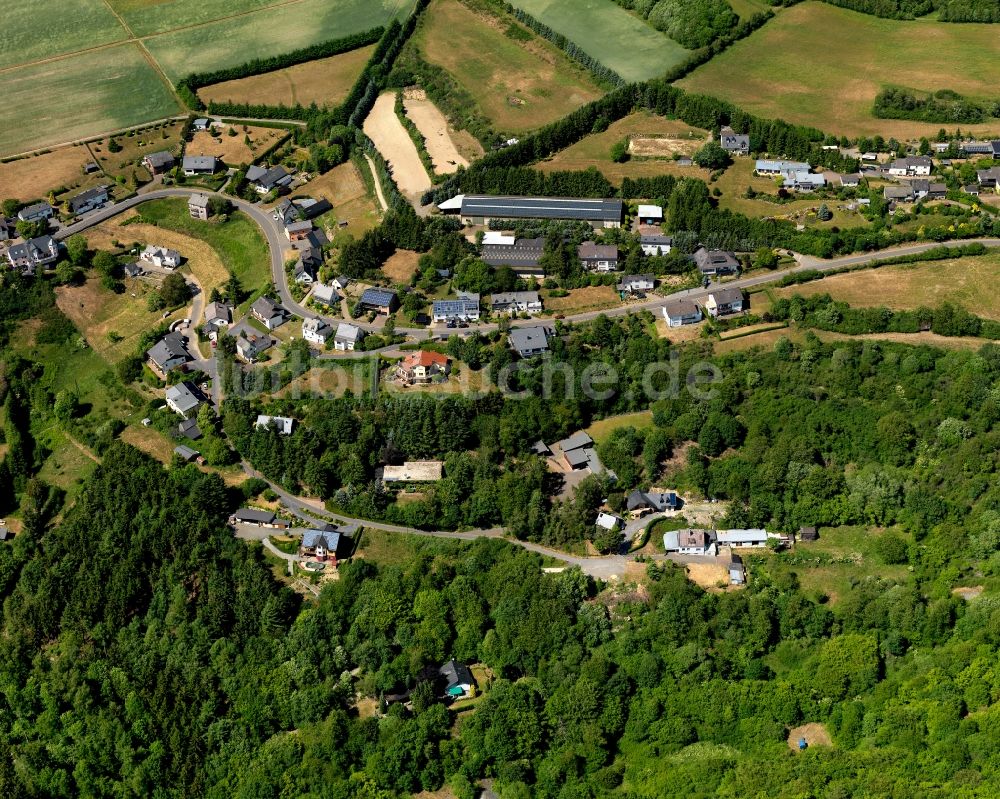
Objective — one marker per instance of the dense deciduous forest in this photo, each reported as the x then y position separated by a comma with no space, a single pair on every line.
147,653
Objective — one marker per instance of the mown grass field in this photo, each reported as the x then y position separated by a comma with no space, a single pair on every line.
601,430
519,84
607,32
238,241
79,96
968,282
819,65
595,150
326,81
267,32
33,30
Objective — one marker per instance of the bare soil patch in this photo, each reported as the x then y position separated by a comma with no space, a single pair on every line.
234,150
662,146
968,592
401,266
325,82
438,134
815,735
710,576
390,137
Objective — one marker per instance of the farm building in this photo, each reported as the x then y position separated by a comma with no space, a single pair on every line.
522,255
478,209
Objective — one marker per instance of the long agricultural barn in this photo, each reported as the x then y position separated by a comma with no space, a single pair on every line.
478,209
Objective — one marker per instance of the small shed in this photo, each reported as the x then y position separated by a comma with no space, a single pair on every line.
808,534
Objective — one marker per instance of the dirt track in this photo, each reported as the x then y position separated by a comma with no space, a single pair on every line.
392,140
433,125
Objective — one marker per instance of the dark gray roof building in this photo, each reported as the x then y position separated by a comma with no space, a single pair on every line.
485,207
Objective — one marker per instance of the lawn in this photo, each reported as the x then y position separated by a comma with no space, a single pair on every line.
519,85
33,30
267,32
238,241
818,65
80,96
585,299
325,82
606,31
600,431
747,8
968,282
595,150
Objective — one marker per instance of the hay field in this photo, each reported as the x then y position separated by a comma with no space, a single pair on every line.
325,82
79,96
30,178
819,65
609,33
967,282
33,30
595,150
267,32
345,190
518,85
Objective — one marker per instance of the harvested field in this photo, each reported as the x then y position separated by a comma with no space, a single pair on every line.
642,126
794,68
80,96
34,177
815,735
396,146
518,85
609,33
401,266
663,146
967,282
585,299
325,82
234,150
439,137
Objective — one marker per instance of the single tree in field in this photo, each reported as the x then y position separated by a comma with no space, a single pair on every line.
712,156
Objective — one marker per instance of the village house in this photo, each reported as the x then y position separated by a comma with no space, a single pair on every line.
320,545
348,337
8,228
217,316
341,282
803,180
382,301
725,301
413,472
463,309
650,215
267,179
639,503
851,180
193,165
158,163
681,312
579,453
989,178
250,347
743,539
914,165
598,257
515,302
283,424
690,542
269,313
715,262
608,521
89,200
317,331
636,284
458,680
160,257
167,354
36,212
183,399
654,244
924,189
307,266
133,270
422,366
198,206
298,231
325,295
734,143
902,193
188,428
528,342
769,168
33,253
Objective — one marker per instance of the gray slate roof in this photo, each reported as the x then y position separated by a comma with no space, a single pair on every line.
523,339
